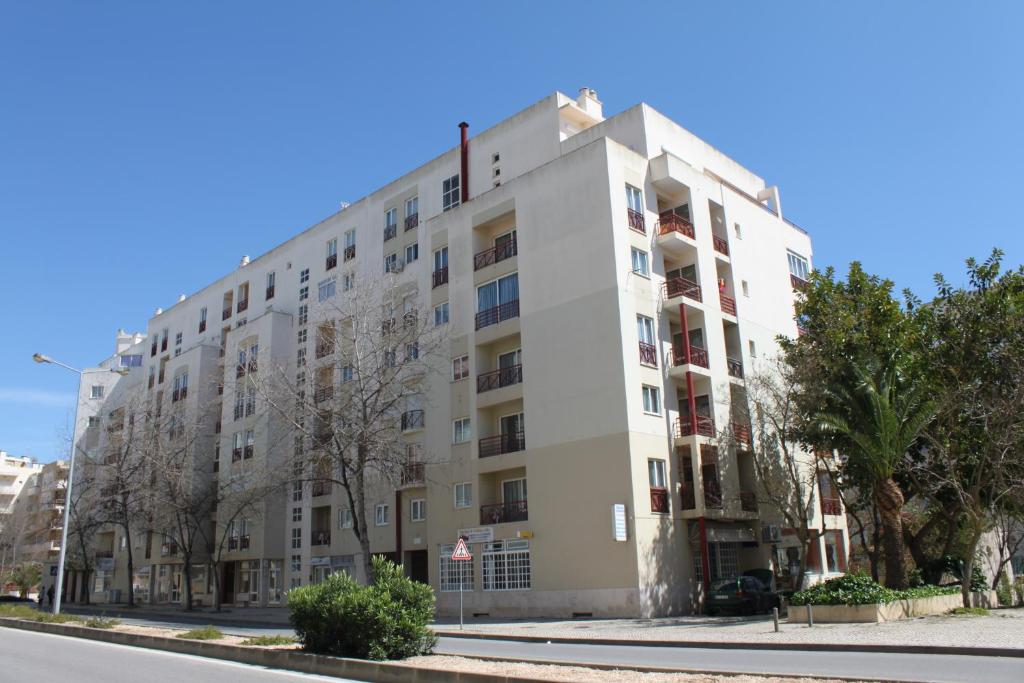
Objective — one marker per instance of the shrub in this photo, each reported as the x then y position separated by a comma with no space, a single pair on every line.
204,633
1004,591
859,589
100,622
969,611
387,619
267,641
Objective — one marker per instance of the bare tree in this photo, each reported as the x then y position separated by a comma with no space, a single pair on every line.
86,517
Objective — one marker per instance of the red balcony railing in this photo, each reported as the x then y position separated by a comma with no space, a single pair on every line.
493,316
350,252
440,276
698,356
503,443
705,426
728,304
412,220
721,246
515,511
831,506
412,419
636,221
673,223
648,354
498,252
735,367
659,499
413,473
499,378
680,286
741,432
748,501
243,304
799,284
332,261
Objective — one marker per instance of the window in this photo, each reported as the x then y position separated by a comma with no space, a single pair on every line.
350,244
303,293
250,442
441,258
297,537
412,252
177,339
640,266
296,491
745,287
441,314
348,281
271,280
326,289
656,474
798,265
391,218
381,515
506,565
296,514
332,253
450,196
737,231
250,401
239,405
460,368
454,575
296,564
652,400
645,329
418,510
132,360
464,495
347,374
412,351
391,263
634,199
412,207
753,348
304,275
97,391
497,300
94,421
345,518
461,430
202,319
303,314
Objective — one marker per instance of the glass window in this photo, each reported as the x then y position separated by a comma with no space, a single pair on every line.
412,206
97,391
418,510
461,430
454,574
304,275
656,474
450,194
297,537
463,495
412,252
327,290
382,514
640,266
441,258
498,292
345,518
645,329
506,565
391,218
634,198
332,247
652,400
441,314
460,368
798,265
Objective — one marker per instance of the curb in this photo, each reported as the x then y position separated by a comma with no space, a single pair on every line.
736,645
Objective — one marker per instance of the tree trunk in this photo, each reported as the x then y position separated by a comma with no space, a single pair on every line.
187,578
890,510
969,552
218,585
131,565
806,543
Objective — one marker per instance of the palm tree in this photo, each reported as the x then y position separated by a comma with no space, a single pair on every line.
882,414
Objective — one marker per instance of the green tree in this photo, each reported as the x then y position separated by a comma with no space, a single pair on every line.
26,576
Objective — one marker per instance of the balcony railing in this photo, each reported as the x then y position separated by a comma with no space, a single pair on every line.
350,252
412,220
648,354
232,544
748,501
698,356
413,473
495,315
243,542
226,313
659,499
498,252
239,371
321,538
269,294
515,511
712,495
741,432
236,454
705,426
831,506
499,378
680,286
321,488
332,261
323,394
689,500
503,443
243,304
673,223
390,232
728,304
248,452
324,349
440,276
636,221
799,284
721,246
735,367
202,327
413,419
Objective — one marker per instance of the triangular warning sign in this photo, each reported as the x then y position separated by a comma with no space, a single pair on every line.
461,551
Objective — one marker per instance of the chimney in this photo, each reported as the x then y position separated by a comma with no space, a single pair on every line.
464,176
588,102
244,262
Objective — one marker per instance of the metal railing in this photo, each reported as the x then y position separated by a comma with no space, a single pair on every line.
413,473
728,304
503,443
499,378
680,286
673,223
390,232
498,252
636,221
413,419
698,356
721,246
515,511
659,499
350,252
798,283
735,367
332,261
243,304
705,426
440,276
648,354
412,220
496,314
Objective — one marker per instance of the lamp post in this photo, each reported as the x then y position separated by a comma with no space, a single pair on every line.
40,358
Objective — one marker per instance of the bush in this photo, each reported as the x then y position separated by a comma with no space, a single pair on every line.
859,589
268,641
969,611
100,622
204,633
1004,591
386,620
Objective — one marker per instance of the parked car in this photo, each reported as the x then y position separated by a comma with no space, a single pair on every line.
742,595
14,598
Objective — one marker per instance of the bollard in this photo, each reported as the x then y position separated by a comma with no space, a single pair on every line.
810,616
775,618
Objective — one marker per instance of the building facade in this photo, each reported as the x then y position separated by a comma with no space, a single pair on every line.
606,284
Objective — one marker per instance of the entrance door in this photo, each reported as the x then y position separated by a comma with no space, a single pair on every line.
416,564
320,573
229,582
513,491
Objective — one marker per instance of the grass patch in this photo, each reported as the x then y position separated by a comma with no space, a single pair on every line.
266,641
31,614
204,633
100,622
969,611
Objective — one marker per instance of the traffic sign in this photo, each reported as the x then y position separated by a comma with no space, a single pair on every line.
461,552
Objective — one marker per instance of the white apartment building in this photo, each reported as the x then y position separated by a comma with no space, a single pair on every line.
606,284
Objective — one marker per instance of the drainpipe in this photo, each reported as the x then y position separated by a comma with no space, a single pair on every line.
464,179
398,527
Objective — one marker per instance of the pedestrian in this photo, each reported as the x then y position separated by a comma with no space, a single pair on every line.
42,596
49,595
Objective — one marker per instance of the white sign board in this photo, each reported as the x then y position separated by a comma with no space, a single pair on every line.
619,522
484,534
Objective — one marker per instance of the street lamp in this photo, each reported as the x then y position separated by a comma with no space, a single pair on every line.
40,358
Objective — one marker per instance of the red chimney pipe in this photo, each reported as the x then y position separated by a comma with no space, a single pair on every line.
464,179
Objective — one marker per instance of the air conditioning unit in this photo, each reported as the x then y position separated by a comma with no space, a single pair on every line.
771,533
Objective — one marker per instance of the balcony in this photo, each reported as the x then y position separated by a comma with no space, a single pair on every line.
243,304
440,276
721,246
712,495
226,313
503,443
499,378
413,473
497,253
698,356
320,488
497,314
705,426
648,354
515,511
411,221
680,286
659,500
636,221
350,252
741,432
675,224
321,538
390,232
323,394
735,367
324,348
728,304
831,506
748,501
239,371
332,261
413,420
799,284
689,501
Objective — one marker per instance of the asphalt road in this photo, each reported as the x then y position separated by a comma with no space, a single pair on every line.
27,657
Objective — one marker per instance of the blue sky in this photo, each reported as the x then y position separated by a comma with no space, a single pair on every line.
145,148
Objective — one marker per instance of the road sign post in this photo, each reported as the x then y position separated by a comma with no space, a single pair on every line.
461,555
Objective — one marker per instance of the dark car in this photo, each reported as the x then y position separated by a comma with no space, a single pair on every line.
742,595
14,598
